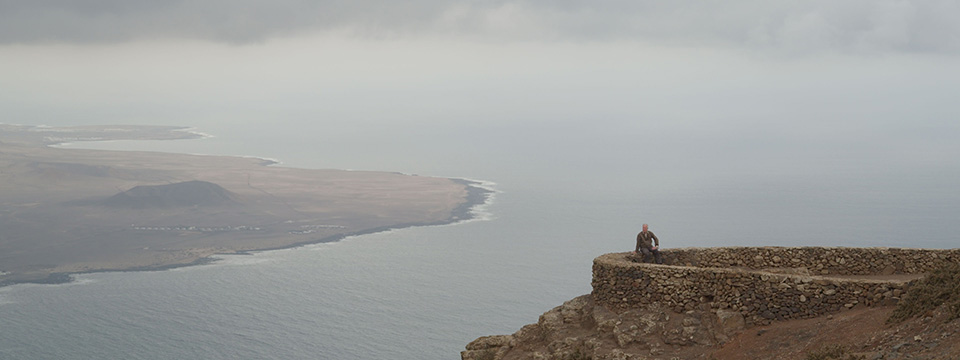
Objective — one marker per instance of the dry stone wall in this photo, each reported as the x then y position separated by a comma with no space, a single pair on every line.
763,283
818,260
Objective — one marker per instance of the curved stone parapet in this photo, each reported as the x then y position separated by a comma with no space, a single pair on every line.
764,283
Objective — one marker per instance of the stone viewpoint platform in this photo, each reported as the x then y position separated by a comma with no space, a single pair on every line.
764,284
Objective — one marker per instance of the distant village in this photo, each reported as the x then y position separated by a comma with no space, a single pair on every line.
304,229
197,228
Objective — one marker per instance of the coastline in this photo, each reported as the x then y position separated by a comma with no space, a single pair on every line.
476,196
102,165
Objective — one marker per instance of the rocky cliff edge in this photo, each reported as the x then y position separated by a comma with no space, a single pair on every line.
924,325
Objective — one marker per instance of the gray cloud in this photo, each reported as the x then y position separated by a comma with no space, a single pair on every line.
867,26
234,21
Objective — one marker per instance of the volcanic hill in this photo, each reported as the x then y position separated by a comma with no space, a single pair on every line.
182,194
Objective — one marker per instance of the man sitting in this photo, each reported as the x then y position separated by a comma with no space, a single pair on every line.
645,247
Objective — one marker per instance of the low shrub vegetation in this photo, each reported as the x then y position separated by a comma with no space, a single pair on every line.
941,287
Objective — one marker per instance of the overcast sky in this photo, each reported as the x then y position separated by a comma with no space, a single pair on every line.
768,104
767,78
795,26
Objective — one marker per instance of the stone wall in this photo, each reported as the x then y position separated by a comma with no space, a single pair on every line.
818,260
764,283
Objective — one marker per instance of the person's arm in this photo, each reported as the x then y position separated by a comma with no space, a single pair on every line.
637,249
656,242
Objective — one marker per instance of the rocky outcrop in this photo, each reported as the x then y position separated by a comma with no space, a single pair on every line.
581,329
704,297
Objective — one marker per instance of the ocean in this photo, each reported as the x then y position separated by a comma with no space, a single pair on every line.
564,193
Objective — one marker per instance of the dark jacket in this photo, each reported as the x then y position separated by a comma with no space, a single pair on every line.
644,240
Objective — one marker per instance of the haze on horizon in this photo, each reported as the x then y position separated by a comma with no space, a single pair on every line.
812,97
719,123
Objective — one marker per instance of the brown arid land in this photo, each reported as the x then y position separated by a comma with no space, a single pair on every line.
66,211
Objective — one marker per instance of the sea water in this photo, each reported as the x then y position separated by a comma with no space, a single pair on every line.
425,292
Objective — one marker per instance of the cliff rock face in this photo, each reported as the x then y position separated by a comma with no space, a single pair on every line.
581,329
751,303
